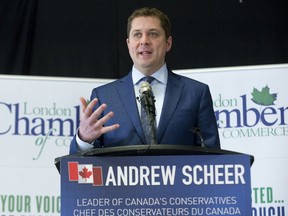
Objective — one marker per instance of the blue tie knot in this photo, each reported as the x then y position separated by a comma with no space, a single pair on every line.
148,79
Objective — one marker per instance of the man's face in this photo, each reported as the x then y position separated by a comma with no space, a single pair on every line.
147,44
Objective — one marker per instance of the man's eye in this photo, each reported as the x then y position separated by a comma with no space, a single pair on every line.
137,35
153,34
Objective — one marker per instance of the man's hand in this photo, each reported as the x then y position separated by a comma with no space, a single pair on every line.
91,127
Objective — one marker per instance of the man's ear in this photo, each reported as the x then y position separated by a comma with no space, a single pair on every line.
169,43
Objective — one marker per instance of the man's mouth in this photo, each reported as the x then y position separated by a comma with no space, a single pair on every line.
145,52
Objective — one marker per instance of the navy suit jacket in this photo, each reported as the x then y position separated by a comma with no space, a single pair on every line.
187,105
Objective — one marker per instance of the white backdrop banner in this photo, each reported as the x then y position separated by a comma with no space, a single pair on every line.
39,116
251,108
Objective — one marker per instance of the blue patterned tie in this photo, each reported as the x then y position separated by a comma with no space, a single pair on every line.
148,120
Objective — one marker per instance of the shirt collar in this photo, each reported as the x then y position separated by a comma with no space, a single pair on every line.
160,75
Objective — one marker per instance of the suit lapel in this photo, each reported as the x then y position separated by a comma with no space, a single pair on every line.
172,96
126,93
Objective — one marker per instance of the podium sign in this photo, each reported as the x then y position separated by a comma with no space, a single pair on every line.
156,185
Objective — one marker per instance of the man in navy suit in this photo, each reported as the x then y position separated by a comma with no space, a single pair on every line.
112,118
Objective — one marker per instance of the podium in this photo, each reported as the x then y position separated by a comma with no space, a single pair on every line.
155,180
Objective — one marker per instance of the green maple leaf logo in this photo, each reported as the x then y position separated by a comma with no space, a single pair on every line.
263,97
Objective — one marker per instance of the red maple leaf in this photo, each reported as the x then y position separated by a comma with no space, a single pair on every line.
85,173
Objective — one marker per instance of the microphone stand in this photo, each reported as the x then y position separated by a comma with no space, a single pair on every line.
197,131
147,101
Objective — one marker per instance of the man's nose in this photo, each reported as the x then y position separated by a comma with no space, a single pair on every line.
145,40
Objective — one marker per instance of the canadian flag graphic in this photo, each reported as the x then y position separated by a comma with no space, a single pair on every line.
85,173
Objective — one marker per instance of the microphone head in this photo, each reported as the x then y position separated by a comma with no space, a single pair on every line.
144,86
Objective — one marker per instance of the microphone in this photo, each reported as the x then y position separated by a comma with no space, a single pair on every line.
147,98
197,131
147,101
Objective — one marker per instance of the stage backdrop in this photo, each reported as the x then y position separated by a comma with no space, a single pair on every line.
38,117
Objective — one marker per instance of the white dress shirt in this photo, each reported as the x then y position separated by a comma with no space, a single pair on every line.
158,86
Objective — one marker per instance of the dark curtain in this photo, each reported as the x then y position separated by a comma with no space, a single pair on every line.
87,38
17,23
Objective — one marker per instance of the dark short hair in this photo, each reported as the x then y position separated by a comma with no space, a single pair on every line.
150,12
